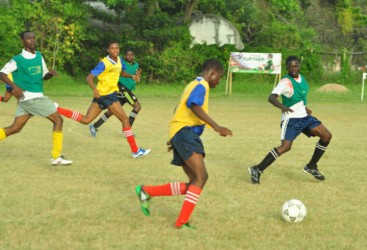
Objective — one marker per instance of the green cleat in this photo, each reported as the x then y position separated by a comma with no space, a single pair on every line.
186,226
143,198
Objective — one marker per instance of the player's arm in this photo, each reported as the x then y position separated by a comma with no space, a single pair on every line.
90,80
273,99
46,73
10,67
308,110
127,75
199,112
283,88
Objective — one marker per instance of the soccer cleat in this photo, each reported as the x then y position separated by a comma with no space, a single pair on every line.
56,105
254,174
186,226
60,161
313,171
143,198
141,152
93,130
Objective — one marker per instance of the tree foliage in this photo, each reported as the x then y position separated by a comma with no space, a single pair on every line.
158,31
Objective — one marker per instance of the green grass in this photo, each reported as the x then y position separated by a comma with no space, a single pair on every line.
92,204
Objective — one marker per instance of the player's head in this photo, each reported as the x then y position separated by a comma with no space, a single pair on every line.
293,66
129,55
28,39
212,71
113,49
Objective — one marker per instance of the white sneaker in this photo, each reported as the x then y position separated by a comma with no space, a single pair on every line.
60,161
56,105
141,152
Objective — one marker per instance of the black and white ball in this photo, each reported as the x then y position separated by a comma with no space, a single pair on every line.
294,211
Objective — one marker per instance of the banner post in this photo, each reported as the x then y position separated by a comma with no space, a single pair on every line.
363,78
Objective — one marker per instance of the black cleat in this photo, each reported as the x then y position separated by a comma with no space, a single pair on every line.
313,171
254,174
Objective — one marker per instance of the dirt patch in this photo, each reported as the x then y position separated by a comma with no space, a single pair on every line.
333,87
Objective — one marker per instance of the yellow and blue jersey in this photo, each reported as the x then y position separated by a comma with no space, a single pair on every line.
196,92
108,73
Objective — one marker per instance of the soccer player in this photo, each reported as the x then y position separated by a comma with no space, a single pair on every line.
105,96
186,126
28,70
296,119
127,82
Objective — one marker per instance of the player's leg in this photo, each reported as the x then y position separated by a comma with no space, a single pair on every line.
129,97
93,111
257,170
57,140
172,188
93,128
290,129
103,119
134,113
116,109
325,137
16,127
195,168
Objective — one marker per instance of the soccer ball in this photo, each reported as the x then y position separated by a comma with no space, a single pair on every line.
294,211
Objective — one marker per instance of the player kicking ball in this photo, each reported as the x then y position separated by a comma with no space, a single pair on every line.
186,126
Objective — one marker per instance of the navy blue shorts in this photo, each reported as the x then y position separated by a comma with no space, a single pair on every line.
292,127
106,100
185,143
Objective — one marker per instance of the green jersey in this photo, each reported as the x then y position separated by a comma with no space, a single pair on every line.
29,73
131,68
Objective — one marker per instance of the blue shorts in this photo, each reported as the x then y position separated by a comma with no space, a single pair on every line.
106,100
292,127
185,143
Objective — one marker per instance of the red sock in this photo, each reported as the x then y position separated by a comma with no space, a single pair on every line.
170,189
192,196
75,115
130,139
1,98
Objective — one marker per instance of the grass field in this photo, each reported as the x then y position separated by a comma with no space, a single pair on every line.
92,204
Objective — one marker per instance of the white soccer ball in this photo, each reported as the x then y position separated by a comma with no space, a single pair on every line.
294,211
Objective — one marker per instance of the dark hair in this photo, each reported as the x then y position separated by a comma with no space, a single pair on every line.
291,58
111,42
24,32
128,50
212,64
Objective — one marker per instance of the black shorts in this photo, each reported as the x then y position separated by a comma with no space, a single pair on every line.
185,143
106,100
126,96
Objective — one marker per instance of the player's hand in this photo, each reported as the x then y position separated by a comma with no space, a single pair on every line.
308,111
223,131
96,94
18,92
169,146
286,110
53,72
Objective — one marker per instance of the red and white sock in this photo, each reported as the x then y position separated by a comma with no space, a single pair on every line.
74,115
130,139
192,196
169,189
